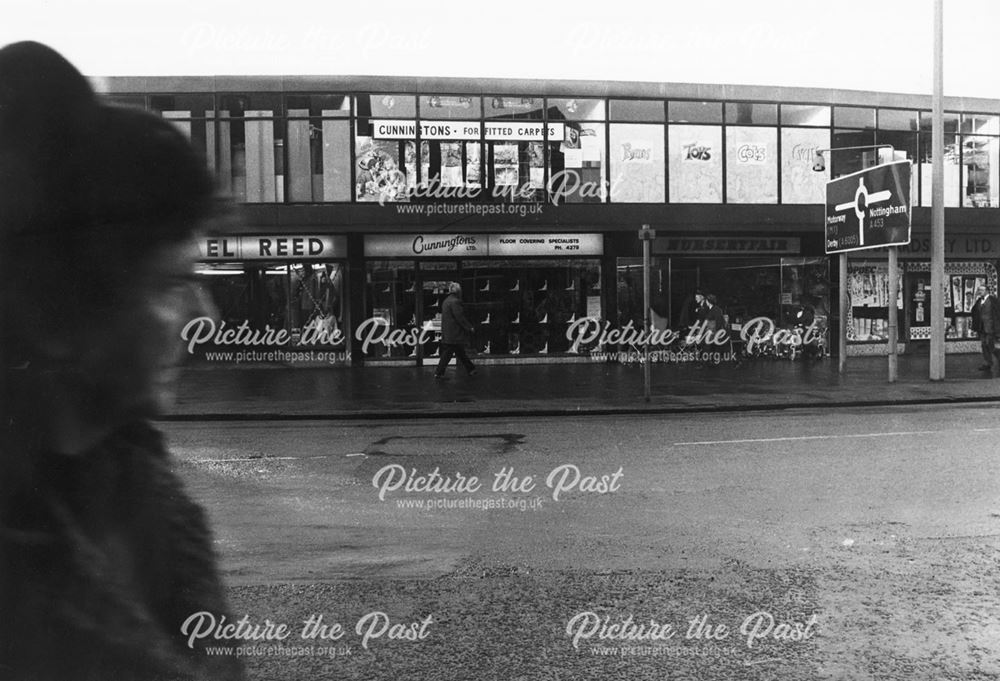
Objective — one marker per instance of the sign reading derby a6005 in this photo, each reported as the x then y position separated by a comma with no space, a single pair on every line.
869,209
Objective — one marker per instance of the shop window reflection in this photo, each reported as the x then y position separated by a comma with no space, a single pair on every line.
286,297
980,172
525,307
451,165
318,148
391,303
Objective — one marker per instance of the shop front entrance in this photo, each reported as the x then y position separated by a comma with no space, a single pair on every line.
520,306
779,289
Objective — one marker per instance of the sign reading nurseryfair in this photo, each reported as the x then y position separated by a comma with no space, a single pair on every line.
869,209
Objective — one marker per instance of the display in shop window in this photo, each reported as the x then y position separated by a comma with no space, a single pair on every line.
869,305
380,175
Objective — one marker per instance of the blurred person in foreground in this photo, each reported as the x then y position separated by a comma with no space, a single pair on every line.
103,556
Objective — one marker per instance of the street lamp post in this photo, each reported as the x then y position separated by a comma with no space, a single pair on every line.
936,364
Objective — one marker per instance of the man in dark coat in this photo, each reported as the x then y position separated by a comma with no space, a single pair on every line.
986,322
455,330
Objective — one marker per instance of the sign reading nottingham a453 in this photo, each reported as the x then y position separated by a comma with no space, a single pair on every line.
869,209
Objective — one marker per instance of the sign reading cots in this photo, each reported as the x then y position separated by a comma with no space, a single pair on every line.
273,247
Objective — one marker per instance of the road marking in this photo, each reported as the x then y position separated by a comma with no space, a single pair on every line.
357,454
249,458
766,660
808,437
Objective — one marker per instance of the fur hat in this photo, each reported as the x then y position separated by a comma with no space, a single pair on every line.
87,190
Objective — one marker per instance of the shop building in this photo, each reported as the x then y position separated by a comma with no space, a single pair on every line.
361,198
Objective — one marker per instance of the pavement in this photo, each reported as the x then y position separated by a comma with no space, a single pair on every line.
345,392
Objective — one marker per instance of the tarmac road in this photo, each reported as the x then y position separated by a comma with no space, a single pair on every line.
869,538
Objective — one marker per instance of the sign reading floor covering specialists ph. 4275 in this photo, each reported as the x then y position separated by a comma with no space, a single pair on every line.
869,209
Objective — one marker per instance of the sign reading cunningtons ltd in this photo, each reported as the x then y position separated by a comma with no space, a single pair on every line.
494,245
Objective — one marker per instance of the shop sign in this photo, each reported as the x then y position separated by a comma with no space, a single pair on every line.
436,245
695,152
958,246
433,245
869,209
727,245
751,154
522,131
545,244
429,130
284,247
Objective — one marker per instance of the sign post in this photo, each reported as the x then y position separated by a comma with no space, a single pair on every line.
646,235
865,210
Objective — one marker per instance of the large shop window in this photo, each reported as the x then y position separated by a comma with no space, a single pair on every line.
800,181
637,164
251,157
578,164
385,148
752,164
952,159
868,302
695,163
520,306
300,299
457,161
319,148
980,171
745,288
516,155
188,113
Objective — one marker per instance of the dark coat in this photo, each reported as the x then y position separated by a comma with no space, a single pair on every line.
715,317
455,328
986,315
103,556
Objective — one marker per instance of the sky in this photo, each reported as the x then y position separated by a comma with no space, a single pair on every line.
876,45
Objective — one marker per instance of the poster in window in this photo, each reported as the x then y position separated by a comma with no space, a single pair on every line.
695,163
637,163
751,165
801,182
379,176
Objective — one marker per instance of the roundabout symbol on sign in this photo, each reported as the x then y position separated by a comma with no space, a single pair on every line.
862,199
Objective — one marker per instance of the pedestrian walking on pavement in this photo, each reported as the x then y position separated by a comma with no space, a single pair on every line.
715,322
986,323
455,332
103,555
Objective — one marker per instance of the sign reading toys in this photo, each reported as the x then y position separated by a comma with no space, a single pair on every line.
868,209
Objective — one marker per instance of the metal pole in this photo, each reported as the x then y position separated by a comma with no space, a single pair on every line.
647,322
842,325
937,201
893,315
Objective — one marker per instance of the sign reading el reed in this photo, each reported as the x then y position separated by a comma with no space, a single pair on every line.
278,247
869,209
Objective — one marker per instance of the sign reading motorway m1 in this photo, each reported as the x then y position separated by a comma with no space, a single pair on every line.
869,209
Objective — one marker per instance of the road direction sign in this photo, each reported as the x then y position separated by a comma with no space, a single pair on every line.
869,209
